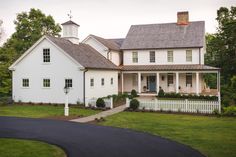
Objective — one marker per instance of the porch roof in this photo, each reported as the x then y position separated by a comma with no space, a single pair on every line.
181,67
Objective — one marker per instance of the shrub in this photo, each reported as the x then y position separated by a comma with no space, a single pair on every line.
134,93
161,93
100,103
134,104
230,111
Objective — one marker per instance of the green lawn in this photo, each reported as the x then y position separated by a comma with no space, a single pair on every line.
28,148
42,111
214,137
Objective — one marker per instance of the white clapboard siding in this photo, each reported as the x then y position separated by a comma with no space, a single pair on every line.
192,106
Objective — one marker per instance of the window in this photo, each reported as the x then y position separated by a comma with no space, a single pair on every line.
170,56
25,82
102,81
91,82
135,57
46,55
189,78
152,56
135,79
111,81
188,55
170,79
68,83
46,83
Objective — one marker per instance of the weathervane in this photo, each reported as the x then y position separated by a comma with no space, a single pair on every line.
70,15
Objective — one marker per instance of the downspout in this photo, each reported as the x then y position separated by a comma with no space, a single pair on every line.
85,70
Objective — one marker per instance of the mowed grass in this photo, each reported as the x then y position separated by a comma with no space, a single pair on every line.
213,136
42,111
28,148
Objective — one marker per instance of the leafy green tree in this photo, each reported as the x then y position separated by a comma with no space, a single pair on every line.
30,27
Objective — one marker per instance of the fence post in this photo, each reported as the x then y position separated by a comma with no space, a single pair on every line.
111,100
127,102
86,103
219,101
155,105
186,105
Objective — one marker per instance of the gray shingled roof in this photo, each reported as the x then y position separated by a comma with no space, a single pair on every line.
112,44
69,23
87,56
167,35
181,67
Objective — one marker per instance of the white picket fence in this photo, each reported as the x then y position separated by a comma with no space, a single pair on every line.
192,106
108,102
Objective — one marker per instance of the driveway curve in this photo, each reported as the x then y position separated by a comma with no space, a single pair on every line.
86,140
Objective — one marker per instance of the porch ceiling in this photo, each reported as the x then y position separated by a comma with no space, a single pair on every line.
180,67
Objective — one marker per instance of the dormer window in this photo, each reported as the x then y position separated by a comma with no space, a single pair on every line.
46,55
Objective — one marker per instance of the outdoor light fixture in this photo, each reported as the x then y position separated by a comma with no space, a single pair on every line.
66,109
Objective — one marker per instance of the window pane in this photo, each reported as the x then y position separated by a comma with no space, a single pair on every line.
111,81
189,55
135,57
170,56
91,82
46,55
189,79
68,83
102,81
152,56
25,82
46,82
170,79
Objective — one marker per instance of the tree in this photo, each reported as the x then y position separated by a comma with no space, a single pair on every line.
1,30
221,46
30,27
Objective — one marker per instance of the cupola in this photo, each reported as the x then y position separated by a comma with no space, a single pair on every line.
70,31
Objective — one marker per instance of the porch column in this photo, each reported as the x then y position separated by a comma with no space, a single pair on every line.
197,83
157,82
122,82
177,82
139,82
218,81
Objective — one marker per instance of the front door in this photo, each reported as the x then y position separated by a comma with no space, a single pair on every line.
152,83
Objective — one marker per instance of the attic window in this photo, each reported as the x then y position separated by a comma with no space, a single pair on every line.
46,55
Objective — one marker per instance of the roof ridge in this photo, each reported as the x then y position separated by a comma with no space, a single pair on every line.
164,23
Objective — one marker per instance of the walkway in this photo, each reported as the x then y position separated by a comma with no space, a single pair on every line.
87,140
99,115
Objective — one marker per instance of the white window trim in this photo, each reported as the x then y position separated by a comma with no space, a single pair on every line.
101,82
22,83
172,56
150,56
50,83
47,63
187,56
133,56
90,82
64,83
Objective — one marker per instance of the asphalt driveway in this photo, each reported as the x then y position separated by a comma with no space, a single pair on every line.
86,140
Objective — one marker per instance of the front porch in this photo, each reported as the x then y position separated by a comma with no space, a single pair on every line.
148,83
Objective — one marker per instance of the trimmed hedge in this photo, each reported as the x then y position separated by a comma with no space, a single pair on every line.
190,96
134,104
100,103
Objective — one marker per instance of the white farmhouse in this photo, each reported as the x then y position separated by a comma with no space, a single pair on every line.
152,56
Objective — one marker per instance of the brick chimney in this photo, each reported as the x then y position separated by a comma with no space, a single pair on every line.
182,18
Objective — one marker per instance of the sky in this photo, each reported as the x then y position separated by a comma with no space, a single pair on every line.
113,18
